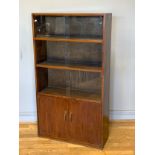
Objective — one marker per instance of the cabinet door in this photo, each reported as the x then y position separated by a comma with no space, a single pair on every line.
58,118
53,116
85,122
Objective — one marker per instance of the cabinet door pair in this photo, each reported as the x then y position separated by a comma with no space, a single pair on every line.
70,119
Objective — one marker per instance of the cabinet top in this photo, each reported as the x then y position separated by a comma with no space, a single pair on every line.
70,14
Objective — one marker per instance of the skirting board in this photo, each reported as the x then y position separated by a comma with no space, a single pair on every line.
114,115
118,115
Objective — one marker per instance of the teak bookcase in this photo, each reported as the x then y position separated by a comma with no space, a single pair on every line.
72,68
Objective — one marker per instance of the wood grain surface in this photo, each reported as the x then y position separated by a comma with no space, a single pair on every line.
80,40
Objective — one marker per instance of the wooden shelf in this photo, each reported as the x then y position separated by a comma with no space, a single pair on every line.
65,39
50,65
69,14
77,94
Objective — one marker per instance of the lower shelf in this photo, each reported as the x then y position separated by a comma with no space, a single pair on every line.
89,96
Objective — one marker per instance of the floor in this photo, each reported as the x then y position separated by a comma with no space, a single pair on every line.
120,142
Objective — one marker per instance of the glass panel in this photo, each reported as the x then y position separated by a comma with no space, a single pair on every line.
57,82
50,26
85,27
58,78
74,27
86,84
85,54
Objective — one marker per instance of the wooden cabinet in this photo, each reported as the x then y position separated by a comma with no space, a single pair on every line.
80,120
72,72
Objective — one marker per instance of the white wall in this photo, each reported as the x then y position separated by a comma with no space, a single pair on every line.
122,52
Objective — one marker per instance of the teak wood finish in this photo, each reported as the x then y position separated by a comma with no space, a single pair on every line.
79,68
70,40
85,119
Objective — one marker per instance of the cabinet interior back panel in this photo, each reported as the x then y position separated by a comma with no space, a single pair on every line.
75,53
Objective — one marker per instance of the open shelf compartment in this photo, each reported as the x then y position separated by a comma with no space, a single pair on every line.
77,84
86,27
69,56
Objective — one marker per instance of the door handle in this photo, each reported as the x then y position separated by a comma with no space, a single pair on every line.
70,116
65,115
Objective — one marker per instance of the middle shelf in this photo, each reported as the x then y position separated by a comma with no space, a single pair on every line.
78,67
69,39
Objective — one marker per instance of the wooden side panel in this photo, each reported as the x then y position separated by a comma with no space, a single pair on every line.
85,122
42,78
41,50
43,116
106,74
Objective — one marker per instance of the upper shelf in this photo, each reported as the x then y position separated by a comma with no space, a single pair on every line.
69,39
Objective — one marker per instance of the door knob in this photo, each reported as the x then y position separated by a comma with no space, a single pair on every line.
70,116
